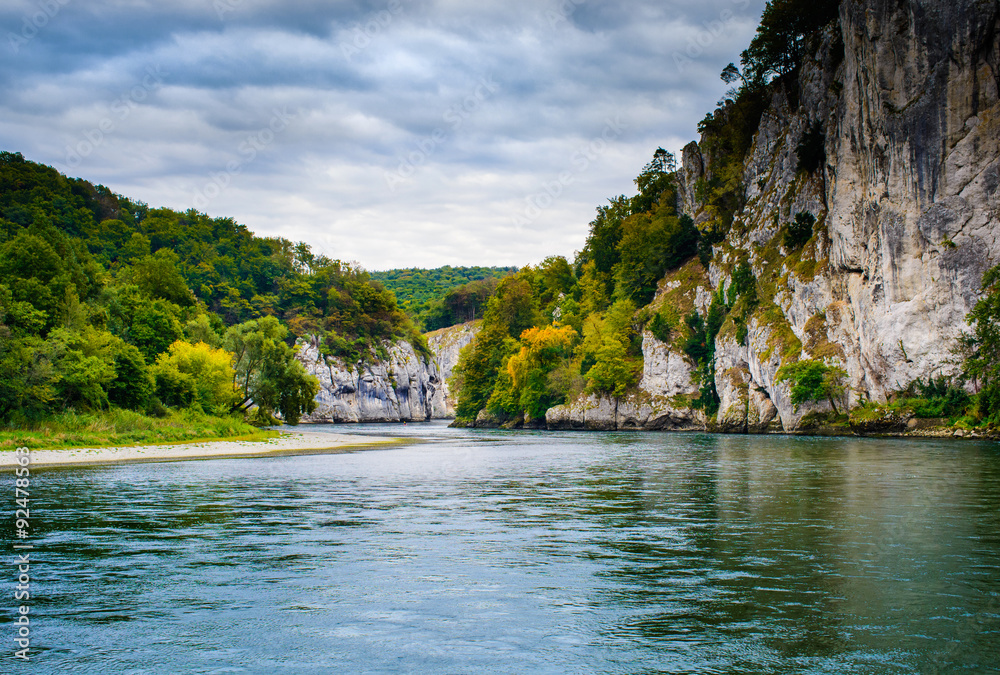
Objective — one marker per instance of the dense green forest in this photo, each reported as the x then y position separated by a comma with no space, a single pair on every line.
443,296
559,329
106,303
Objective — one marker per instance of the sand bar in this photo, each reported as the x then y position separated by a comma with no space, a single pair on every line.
286,444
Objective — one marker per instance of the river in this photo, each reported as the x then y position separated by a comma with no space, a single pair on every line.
477,551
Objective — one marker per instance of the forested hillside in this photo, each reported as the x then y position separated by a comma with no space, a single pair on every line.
105,302
443,296
786,272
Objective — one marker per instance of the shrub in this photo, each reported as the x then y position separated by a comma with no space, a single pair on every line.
811,149
813,380
798,232
190,374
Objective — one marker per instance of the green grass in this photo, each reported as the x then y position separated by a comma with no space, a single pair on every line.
124,427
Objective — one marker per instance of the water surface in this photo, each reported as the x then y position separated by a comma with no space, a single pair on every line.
525,552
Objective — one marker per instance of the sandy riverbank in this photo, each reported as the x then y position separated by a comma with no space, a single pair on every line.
286,444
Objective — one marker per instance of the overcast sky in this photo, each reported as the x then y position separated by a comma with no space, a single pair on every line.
395,133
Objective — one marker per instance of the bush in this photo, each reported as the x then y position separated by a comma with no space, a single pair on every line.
798,232
813,380
614,372
660,328
811,149
981,349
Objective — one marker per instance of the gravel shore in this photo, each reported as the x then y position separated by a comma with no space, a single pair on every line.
286,444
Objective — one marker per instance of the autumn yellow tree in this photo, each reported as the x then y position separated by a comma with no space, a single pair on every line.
195,375
525,385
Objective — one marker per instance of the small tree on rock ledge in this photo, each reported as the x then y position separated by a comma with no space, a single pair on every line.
814,380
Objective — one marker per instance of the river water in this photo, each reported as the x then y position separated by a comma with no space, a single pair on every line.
525,552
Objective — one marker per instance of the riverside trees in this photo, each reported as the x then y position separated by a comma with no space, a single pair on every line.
105,303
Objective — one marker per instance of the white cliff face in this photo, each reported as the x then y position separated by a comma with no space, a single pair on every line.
907,207
447,343
402,388
914,208
636,411
666,371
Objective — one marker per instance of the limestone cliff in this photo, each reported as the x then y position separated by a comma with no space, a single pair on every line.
401,388
905,95
902,100
898,102
446,343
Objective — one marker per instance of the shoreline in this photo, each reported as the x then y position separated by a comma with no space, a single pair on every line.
288,443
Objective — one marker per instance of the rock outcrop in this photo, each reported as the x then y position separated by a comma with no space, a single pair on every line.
404,387
446,343
899,102
636,411
904,98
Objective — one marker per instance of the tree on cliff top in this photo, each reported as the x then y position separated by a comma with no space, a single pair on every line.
782,37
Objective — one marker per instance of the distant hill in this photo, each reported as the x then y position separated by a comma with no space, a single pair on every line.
415,285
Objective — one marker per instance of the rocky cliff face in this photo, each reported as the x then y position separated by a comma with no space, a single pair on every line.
446,344
402,388
667,385
906,205
904,99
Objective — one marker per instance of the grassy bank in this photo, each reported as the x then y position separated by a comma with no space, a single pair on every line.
125,427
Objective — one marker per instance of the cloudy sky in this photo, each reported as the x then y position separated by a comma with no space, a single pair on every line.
395,133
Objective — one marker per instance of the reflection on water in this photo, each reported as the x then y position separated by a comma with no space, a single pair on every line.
508,552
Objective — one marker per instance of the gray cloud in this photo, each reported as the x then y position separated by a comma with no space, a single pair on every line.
413,133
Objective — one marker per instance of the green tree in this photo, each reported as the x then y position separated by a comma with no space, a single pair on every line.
195,375
613,372
514,307
655,180
814,380
133,384
158,276
479,366
800,230
27,377
84,365
553,280
524,385
650,245
154,326
267,376
783,35
601,247
981,348
33,271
